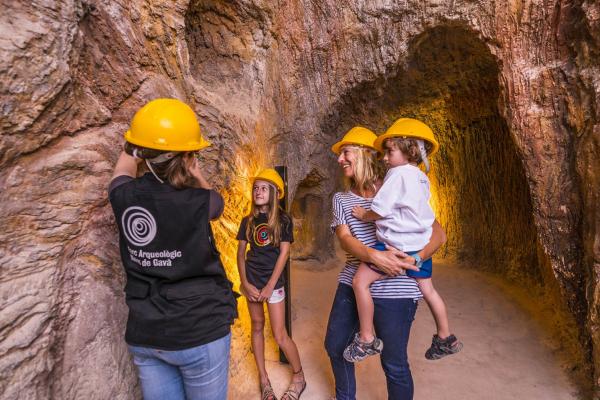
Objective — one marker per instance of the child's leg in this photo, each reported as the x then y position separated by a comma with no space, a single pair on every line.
257,316
444,343
436,305
363,279
284,341
287,345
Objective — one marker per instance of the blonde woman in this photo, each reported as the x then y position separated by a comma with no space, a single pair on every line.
395,298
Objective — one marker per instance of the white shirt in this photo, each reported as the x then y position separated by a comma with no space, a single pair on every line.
394,287
403,203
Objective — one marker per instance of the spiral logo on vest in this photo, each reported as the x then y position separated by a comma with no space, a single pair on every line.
139,226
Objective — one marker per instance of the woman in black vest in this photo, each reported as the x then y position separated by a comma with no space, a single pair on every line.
181,305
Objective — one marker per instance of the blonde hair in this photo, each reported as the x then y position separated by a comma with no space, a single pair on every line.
274,217
175,170
367,170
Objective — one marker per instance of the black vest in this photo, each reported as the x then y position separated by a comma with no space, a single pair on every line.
177,291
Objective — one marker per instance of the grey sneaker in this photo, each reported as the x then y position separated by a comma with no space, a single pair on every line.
358,351
443,347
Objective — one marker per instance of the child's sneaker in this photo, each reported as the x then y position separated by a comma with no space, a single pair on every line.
443,347
358,351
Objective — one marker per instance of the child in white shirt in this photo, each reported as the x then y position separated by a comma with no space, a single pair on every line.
403,217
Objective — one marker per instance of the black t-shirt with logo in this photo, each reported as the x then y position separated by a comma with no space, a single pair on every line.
262,256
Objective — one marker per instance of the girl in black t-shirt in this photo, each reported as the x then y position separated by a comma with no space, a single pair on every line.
269,231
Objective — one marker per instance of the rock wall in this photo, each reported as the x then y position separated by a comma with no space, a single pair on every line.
509,86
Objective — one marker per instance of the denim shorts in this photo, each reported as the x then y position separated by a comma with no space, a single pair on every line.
425,271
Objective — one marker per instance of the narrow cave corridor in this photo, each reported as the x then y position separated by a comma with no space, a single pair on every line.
480,194
509,89
450,80
479,189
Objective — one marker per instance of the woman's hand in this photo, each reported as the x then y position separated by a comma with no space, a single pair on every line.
250,291
266,293
392,262
410,259
126,165
196,172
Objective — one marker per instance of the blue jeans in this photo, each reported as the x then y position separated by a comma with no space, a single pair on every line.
197,373
393,320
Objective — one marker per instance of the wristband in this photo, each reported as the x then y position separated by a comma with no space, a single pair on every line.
418,261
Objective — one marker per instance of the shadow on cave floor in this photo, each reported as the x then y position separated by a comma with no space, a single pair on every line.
506,355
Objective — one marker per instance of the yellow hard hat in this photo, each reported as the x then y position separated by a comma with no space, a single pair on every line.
166,124
357,136
411,128
271,176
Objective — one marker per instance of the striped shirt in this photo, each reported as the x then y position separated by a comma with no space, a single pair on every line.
398,287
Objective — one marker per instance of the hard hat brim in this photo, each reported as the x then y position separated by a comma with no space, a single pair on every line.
260,178
191,146
380,139
337,148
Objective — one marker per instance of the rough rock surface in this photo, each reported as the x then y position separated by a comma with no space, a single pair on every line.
511,88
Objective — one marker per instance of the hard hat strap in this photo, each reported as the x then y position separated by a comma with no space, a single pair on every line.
152,170
275,189
164,157
421,145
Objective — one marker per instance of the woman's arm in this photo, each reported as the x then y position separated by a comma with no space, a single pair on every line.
126,165
249,290
391,261
267,291
216,205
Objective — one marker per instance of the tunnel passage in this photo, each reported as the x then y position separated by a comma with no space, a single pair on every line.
479,189
312,238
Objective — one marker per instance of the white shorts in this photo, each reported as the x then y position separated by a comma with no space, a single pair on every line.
277,296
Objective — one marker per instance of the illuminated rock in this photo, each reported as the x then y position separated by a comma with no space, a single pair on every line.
510,88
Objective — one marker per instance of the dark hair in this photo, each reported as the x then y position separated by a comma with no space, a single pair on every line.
409,147
175,171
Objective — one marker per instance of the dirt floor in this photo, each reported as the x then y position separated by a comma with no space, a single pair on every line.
506,354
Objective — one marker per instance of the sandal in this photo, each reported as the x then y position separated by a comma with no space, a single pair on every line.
291,393
267,392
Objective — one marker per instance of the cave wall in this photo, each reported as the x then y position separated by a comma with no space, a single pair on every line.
272,83
312,232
